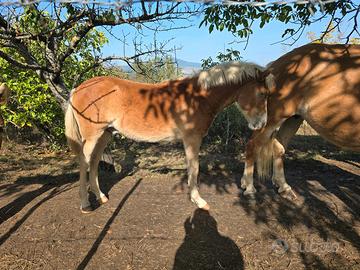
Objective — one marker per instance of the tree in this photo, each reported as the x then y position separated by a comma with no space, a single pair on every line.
228,56
157,70
46,38
239,19
331,37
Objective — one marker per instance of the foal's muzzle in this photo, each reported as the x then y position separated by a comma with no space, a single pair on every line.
258,123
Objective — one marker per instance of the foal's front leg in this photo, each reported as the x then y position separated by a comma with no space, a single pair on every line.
247,180
192,148
258,138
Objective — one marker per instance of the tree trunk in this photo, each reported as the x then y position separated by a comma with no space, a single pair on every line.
57,88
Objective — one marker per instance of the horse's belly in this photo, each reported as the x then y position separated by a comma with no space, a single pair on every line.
140,129
341,127
149,136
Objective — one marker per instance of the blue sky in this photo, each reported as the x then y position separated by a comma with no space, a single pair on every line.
196,43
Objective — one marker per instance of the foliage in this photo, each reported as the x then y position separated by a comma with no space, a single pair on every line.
229,127
157,70
230,55
76,67
331,37
31,102
239,19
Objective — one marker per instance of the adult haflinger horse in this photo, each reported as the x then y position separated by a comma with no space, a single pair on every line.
318,83
177,109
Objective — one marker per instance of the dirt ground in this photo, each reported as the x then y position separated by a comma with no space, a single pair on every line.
149,222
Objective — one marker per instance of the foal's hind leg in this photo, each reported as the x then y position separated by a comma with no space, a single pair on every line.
94,164
286,132
84,196
85,160
192,148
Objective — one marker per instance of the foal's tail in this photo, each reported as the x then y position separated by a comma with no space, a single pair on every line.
72,131
264,159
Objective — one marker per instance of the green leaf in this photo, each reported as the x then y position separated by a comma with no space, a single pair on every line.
221,26
211,28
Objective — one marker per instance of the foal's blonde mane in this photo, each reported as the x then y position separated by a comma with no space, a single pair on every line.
228,73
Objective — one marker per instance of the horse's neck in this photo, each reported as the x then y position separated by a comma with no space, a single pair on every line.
221,97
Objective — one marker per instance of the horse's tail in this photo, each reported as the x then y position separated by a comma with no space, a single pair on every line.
72,131
264,159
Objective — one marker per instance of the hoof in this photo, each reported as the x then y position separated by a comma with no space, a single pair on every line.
201,204
86,210
249,196
250,191
103,200
205,207
289,195
242,184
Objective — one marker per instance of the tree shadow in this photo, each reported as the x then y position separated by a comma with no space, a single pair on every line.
56,185
106,228
205,248
216,170
54,192
313,145
317,183
48,182
129,165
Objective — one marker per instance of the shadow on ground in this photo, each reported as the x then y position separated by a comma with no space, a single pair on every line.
205,248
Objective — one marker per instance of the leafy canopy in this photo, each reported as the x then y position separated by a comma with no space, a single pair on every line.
239,19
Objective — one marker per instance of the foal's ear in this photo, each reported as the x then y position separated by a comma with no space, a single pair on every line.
268,78
270,83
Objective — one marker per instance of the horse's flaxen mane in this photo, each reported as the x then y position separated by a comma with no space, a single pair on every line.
229,73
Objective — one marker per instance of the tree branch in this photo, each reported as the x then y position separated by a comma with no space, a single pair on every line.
14,62
354,18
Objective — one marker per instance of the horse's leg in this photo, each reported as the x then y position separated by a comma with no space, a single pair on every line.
94,164
192,148
280,143
84,196
259,138
85,162
247,180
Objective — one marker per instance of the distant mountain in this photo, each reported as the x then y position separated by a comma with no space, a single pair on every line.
184,63
188,68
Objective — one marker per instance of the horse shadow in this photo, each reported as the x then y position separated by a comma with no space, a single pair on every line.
204,247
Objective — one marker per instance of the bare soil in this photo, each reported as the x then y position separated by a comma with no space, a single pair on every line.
149,222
